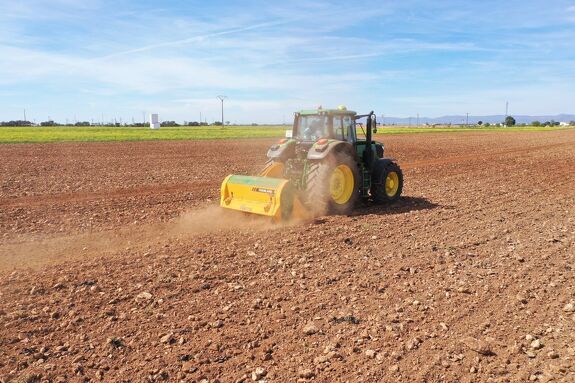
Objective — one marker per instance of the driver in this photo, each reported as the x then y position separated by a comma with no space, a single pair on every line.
314,131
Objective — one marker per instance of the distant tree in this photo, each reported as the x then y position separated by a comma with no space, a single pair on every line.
571,123
193,123
479,123
48,123
535,123
169,123
227,122
254,124
487,124
509,121
217,123
16,123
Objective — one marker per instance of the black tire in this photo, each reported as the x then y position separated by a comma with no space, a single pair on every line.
383,169
318,197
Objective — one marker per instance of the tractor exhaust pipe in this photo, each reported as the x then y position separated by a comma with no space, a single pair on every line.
371,124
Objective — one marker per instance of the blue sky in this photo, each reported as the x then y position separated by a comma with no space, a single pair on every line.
79,59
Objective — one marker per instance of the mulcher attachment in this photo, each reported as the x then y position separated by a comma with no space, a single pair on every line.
272,197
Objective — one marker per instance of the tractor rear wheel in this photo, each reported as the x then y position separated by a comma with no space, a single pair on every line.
387,182
332,185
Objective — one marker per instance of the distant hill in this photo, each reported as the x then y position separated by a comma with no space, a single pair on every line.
460,119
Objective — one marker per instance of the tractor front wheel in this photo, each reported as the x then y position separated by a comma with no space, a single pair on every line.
332,185
272,169
387,182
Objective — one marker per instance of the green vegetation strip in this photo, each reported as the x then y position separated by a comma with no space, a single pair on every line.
400,130
87,134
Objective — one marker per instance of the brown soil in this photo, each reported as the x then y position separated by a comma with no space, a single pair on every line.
117,265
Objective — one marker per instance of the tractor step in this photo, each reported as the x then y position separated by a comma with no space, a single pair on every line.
366,184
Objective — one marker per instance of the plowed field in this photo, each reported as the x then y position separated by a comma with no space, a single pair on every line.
117,265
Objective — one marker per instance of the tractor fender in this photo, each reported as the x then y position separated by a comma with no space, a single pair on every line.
320,150
282,151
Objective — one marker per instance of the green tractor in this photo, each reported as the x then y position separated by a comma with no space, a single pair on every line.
322,167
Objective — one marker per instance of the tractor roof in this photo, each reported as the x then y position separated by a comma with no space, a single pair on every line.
310,112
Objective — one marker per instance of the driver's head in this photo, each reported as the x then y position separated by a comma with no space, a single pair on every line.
316,127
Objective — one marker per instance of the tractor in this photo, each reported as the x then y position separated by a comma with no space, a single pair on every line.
321,167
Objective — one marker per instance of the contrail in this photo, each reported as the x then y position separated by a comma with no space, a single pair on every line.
192,39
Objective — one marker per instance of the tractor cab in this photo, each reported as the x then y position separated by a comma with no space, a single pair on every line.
318,127
312,125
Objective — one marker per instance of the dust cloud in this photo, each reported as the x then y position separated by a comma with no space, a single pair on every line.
214,218
38,251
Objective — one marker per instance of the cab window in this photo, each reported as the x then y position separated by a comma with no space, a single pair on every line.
348,128
311,128
342,128
339,132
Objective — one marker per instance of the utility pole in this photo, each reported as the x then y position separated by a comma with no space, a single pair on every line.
466,119
24,114
201,118
222,98
506,108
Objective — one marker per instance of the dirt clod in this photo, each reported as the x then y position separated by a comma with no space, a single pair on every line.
310,329
306,373
258,373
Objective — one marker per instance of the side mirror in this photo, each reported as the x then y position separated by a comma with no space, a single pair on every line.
289,134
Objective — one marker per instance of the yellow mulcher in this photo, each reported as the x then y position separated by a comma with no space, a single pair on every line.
320,168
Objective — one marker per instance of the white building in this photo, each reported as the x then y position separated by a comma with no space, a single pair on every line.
154,121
